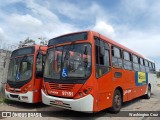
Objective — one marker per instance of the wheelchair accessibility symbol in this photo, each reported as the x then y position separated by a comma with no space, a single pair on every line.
65,73
17,76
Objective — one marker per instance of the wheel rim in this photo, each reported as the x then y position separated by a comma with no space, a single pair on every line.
117,101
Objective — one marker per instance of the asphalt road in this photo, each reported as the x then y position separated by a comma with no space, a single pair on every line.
138,104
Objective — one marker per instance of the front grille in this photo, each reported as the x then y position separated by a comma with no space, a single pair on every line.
56,86
14,96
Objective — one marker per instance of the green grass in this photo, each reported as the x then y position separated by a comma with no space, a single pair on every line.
3,100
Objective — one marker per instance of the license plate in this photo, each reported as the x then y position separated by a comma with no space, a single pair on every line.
58,102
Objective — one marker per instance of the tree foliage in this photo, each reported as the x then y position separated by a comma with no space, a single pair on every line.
27,41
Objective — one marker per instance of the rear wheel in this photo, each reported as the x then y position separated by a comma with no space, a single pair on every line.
148,95
117,102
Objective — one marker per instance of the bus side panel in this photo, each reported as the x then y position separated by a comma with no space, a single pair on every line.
37,90
105,91
129,85
107,84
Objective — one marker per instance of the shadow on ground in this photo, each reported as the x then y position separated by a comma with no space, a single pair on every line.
50,111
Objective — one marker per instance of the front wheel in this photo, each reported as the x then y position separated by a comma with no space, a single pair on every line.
148,95
117,102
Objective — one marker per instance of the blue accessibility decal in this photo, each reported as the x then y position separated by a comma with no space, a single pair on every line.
17,76
64,72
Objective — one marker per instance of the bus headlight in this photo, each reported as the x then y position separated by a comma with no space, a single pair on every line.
84,92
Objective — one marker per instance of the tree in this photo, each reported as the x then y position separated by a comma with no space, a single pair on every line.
43,40
27,41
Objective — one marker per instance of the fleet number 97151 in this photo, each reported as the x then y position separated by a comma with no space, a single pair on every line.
69,94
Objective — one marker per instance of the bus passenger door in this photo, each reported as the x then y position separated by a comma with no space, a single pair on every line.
39,77
103,74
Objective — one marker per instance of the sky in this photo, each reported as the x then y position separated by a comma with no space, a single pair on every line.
133,23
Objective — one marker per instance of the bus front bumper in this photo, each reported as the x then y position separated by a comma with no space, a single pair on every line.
21,97
84,104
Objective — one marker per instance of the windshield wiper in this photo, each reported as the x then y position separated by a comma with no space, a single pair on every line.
70,49
67,55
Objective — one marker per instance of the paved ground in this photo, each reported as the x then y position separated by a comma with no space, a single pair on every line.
139,104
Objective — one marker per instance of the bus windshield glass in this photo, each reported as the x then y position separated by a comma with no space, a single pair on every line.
69,61
23,51
68,38
20,68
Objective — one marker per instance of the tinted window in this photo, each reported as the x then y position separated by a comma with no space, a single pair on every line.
150,64
141,61
116,52
153,65
135,59
127,60
127,65
23,51
146,63
142,68
136,66
102,60
39,66
116,57
68,38
126,55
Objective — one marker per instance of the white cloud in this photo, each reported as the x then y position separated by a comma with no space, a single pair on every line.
82,11
104,28
44,19
147,47
40,22
94,14
52,25
24,23
1,34
40,11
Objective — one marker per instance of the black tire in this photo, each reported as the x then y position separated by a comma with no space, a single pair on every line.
116,102
148,95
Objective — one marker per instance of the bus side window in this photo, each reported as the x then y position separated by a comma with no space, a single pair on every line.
135,63
116,57
142,67
102,57
127,60
153,66
39,65
146,65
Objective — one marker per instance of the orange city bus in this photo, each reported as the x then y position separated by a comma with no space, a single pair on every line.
88,72
25,74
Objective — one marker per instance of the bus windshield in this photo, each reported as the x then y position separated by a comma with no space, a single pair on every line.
69,61
20,69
